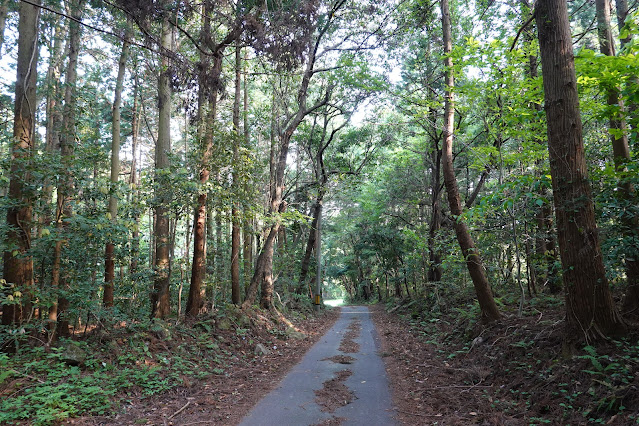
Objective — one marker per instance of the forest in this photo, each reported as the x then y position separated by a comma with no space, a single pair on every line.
182,180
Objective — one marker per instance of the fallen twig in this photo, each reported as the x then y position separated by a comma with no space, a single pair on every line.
416,414
28,376
180,410
459,386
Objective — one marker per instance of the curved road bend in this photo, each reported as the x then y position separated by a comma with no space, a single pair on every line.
293,403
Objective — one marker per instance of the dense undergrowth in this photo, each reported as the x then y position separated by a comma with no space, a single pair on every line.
522,367
125,362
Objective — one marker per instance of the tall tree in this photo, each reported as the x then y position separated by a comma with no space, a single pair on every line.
589,305
65,193
235,219
621,154
4,11
435,267
263,274
489,311
321,176
247,233
211,79
160,297
133,182
109,262
54,91
18,263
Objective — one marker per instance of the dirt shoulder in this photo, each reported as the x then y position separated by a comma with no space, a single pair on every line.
448,372
225,398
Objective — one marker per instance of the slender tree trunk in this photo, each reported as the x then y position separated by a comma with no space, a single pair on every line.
247,254
235,219
18,263
248,224
196,296
67,187
310,245
264,267
489,311
263,275
618,133
135,131
195,300
622,15
55,95
546,256
398,285
4,11
590,308
621,153
219,243
160,297
435,268
109,263
53,114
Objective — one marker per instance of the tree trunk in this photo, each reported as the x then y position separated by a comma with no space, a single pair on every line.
160,297
489,311
435,268
310,245
53,116
546,255
248,223
109,263
135,131
247,254
621,154
235,219
195,301
622,15
4,11
589,305
18,263
398,285
277,205
67,187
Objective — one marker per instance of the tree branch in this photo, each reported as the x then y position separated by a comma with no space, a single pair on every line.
79,21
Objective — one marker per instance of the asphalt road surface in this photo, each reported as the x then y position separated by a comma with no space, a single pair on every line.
294,403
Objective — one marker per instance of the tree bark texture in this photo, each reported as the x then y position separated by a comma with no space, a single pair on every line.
589,305
18,263
160,297
489,311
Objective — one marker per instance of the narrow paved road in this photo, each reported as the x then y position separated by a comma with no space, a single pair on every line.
294,401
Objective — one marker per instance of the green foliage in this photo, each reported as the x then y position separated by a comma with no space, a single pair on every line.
612,377
40,386
60,392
